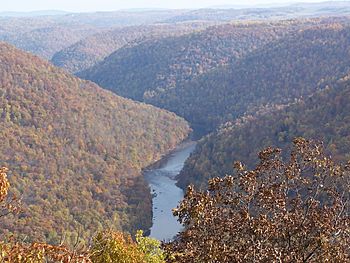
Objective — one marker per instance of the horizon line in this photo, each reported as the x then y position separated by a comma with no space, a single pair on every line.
233,6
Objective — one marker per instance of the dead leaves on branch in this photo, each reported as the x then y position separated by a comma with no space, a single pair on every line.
38,253
295,211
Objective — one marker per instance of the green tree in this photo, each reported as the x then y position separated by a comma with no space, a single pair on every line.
150,247
114,247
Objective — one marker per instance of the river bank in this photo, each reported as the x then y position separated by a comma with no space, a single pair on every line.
166,195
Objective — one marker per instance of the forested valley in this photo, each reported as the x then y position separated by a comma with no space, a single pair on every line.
62,136
89,102
206,77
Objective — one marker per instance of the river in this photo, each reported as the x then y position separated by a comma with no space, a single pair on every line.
166,194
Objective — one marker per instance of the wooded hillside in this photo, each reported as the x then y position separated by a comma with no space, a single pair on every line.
75,151
93,49
219,74
323,116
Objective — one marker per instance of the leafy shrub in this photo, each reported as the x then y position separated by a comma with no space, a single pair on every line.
294,211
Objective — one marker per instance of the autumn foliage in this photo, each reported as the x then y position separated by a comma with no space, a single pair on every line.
112,247
93,49
7,205
76,151
4,184
282,211
107,246
13,251
218,74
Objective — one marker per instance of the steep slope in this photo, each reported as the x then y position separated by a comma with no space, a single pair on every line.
277,73
324,116
46,41
219,74
75,151
87,52
156,66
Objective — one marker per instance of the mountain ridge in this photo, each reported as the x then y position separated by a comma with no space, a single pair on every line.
75,151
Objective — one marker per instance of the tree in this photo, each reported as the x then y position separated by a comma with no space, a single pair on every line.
293,211
108,246
7,205
114,247
17,252
150,247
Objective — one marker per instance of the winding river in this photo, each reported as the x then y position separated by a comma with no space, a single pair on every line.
166,194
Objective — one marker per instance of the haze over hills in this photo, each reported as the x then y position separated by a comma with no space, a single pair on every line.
95,162
46,41
189,56
264,12
42,36
45,33
34,13
104,18
206,77
93,49
76,151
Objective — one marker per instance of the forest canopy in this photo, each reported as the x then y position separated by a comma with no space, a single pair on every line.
323,116
217,75
76,151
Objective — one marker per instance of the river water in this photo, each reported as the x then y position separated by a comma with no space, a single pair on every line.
166,194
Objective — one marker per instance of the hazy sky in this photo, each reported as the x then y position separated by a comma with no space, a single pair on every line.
108,5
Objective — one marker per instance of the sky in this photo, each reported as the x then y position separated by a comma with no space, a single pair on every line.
110,5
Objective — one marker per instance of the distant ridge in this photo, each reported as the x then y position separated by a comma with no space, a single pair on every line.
250,6
34,13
